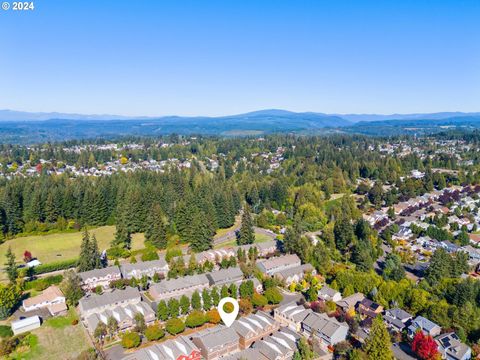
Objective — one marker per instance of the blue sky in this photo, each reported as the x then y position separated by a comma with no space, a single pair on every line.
205,57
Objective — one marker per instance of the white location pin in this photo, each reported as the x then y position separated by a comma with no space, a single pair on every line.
228,318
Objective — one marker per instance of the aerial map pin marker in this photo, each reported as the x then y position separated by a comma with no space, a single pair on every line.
228,318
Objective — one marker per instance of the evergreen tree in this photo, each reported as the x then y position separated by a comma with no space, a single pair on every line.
184,304
343,232
71,287
156,231
362,255
215,296
196,301
378,344
122,238
173,308
11,266
96,262
199,235
84,259
246,235
224,291
162,310
291,242
207,300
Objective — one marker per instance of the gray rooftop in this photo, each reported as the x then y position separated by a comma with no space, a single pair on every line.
217,336
423,323
399,314
297,270
249,353
327,291
225,276
185,282
253,323
279,261
278,345
143,265
168,350
451,347
351,301
293,311
94,301
323,324
99,273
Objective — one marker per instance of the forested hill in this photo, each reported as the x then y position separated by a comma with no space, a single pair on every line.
257,123
31,128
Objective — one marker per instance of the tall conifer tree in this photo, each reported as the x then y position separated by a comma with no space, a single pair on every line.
246,234
84,260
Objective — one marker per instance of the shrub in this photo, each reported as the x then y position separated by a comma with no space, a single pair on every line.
154,332
117,252
55,266
175,326
259,300
43,283
195,318
273,295
5,331
213,317
245,306
171,253
130,340
330,306
149,255
120,283
8,345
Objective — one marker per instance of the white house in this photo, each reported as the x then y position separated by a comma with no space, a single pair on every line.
326,293
51,298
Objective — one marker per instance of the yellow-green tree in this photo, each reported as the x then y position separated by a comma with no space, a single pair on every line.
378,344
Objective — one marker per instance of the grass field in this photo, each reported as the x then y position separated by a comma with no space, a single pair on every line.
259,238
57,247
221,232
56,339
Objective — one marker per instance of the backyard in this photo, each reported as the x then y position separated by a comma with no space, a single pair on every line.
57,338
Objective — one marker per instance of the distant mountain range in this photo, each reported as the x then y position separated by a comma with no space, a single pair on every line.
269,114
24,127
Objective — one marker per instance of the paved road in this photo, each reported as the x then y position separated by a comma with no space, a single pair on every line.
115,352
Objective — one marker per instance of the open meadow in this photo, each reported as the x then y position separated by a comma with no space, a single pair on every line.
58,247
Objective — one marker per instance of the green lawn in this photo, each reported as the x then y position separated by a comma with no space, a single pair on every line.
55,342
57,247
60,322
259,238
221,232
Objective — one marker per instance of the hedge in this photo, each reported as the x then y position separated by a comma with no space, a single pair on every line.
43,283
55,266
